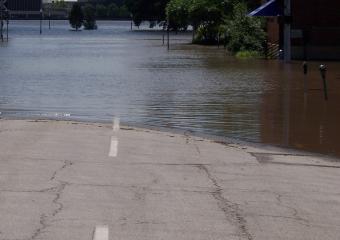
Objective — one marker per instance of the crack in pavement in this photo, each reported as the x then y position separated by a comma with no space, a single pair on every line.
58,191
45,190
44,218
65,165
295,214
231,210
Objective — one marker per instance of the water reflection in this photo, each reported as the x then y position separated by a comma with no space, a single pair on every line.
115,72
304,121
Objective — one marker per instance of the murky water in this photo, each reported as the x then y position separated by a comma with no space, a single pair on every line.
95,75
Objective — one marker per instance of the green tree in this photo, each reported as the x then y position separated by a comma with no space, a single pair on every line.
59,4
113,11
76,16
206,17
244,33
101,11
124,12
147,10
177,12
89,17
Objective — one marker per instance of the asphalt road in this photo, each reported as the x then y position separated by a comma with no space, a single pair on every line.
68,180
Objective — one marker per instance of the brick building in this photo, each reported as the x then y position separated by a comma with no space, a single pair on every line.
303,29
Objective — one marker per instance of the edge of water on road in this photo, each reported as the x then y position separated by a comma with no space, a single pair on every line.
224,140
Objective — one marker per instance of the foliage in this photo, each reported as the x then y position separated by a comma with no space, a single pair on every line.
101,11
124,12
177,12
147,10
76,16
212,19
59,4
244,33
89,17
113,11
204,15
245,54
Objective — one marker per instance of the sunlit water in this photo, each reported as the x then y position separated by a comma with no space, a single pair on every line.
96,75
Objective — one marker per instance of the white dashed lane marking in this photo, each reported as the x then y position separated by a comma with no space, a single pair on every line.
116,123
113,147
101,233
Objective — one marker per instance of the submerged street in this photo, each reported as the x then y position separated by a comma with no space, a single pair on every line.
60,180
169,120
113,71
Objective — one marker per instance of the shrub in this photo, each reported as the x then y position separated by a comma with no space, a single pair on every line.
89,17
248,54
76,17
245,33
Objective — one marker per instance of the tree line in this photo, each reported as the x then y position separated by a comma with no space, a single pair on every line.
212,21
96,9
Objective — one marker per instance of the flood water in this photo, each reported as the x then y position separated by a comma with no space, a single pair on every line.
97,75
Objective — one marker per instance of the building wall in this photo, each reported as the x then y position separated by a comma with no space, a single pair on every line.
316,29
24,5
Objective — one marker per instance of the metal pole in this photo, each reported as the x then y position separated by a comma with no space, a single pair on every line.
1,20
49,18
163,37
305,72
41,13
131,23
7,25
323,70
287,31
168,32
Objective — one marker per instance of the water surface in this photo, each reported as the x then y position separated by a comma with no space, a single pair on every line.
96,75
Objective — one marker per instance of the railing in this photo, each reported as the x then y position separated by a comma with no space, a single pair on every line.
272,51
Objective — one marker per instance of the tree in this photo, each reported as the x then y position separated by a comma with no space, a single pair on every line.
101,11
244,33
177,12
76,17
89,17
113,11
124,12
147,10
59,4
206,17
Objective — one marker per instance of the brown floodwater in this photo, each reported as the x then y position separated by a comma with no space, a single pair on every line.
115,72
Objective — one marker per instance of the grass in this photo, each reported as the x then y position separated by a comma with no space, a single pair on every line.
248,54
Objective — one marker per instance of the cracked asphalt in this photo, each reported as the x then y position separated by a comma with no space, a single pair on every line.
57,182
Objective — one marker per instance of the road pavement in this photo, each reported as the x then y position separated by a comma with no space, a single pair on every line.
68,180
